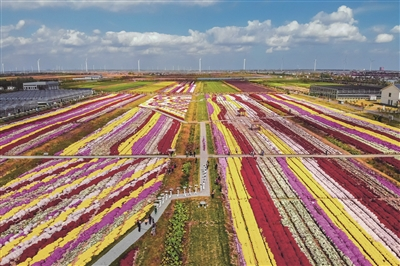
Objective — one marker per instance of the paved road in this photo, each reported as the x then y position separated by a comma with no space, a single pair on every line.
132,237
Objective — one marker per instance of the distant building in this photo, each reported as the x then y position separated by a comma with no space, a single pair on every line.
391,95
344,92
93,77
41,85
381,68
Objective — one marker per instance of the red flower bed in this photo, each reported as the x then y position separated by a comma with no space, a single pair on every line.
246,86
166,141
361,191
280,240
129,258
357,187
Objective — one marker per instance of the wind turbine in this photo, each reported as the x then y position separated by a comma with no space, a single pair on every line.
138,65
38,65
2,67
200,65
86,64
244,64
315,65
370,64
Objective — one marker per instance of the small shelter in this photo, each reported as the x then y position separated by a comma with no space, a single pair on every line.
171,152
241,112
255,125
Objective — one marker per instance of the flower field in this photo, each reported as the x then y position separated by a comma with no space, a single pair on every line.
300,211
372,137
175,106
184,87
284,210
66,211
154,87
18,137
138,131
247,86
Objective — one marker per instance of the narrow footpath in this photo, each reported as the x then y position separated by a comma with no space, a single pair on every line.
133,236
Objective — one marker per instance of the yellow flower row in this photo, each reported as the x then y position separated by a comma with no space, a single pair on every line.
298,105
373,250
363,130
154,87
74,234
33,183
83,205
126,146
96,249
45,127
355,116
75,147
255,248
231,100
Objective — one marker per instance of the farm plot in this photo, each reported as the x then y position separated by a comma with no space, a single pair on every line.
176,106
138,131
68,211
300,211
154,87
217,87
183,87
18,137
123,86
373,137
246,86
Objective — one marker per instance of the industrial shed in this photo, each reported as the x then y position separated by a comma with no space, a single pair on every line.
23,101
343,92
41,85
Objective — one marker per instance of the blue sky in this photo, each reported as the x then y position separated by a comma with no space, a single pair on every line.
175,34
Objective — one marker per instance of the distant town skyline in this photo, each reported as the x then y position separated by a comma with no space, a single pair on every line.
174,35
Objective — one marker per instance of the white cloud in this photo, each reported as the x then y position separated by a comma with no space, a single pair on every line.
324,28
395,29
20,24
6,29
233,35
378,28
343,14
384,37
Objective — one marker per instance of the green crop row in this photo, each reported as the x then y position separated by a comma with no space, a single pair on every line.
217,87
174,241
154,87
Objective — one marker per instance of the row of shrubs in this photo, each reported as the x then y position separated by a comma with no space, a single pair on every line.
174,240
